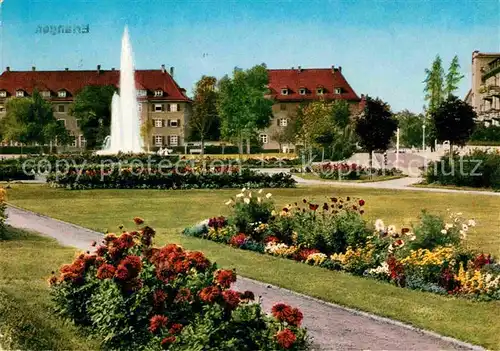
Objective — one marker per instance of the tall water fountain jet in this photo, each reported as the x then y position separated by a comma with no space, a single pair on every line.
125,120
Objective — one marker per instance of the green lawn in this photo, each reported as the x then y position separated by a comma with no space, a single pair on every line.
363,179
170,211
26,316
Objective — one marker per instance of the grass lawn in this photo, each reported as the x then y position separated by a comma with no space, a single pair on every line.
452,187
243,156
25,308
361,180
170,211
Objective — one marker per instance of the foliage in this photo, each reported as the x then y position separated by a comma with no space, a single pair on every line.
454,121
204,122
375,126
353,171
137,297
147,128
453,77
479,169
434,84
410,129
3,214
483,133
31,120
433,232
92,106
242,105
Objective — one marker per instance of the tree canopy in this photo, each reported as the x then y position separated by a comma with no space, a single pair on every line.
92,106
411,128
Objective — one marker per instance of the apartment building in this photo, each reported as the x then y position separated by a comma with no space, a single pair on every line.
161,101
484,95
290,88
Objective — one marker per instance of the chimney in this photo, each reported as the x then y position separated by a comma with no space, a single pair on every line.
299,68
98,69
7,68
172,72
66,69
33,68
112,68
333,68
340,68
162,68
293,67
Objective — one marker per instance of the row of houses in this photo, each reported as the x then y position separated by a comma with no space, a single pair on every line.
163,102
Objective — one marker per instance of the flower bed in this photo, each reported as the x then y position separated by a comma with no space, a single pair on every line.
431,256
137,297
3,215
345,171
97,177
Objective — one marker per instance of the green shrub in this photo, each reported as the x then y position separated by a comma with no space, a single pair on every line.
249,212
429,233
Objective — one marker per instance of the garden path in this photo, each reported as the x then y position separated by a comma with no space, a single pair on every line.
332,327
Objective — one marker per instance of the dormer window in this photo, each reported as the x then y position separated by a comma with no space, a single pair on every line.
45,94
320,91
19,93
338,90
302,91
142,92
284,91
61,93
158,93
3,93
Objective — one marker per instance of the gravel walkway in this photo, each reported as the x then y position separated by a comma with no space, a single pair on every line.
332,327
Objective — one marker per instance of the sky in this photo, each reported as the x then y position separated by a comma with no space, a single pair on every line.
382,46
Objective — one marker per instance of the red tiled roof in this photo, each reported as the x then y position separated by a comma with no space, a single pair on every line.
312,78
74,81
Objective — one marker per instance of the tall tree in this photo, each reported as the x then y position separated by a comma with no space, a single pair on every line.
242,105
375,126
453,77
411,128
434,84
92,106
454,121
204,109
147,132
31,120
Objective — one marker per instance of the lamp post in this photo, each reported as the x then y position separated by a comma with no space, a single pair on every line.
423,136
397,147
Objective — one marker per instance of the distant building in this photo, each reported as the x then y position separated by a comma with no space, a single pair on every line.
484,95
289,88
161,100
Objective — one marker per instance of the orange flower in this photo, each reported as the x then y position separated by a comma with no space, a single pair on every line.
138,220
286,338
209,294
157,322
106,271
225,277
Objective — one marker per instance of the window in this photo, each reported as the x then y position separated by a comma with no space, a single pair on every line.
2,109
73,141
338,90
139,107
142,92
158,107
320,91
302,91
61,94
173,107
62,122
77,122
263,138
46,94
283,107
158,92
3,93
158,140
83,142
60,108
158,123
173,123
173,140
19,93
284,91
283,122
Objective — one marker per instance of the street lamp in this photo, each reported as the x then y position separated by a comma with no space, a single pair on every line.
423,136
397,147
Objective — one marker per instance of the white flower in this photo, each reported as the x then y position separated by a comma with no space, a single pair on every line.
391,229
382,269
243,190
448,226
259,200
229,202
240,195
246,200
463,235
444,231
379,225
249,194
472,223
459,213
465,227
268,195
412,237
260,191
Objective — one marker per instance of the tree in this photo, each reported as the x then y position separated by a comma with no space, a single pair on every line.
410,128
453,77
282,136
242,105
204,109
31,120
92,106
375,126
434,84
146,132
454,121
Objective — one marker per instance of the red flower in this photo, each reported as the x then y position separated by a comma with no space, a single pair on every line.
304,253
183,295
129,267
125,241
238,240
52,280
281,311
361,202
271,238
313,207
106,271
138,220
198,260
175,328
286,338
247,295
231,298
209,294
93,243
361,212
225,277
157,322
294,317
101,250
159,297
165,343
